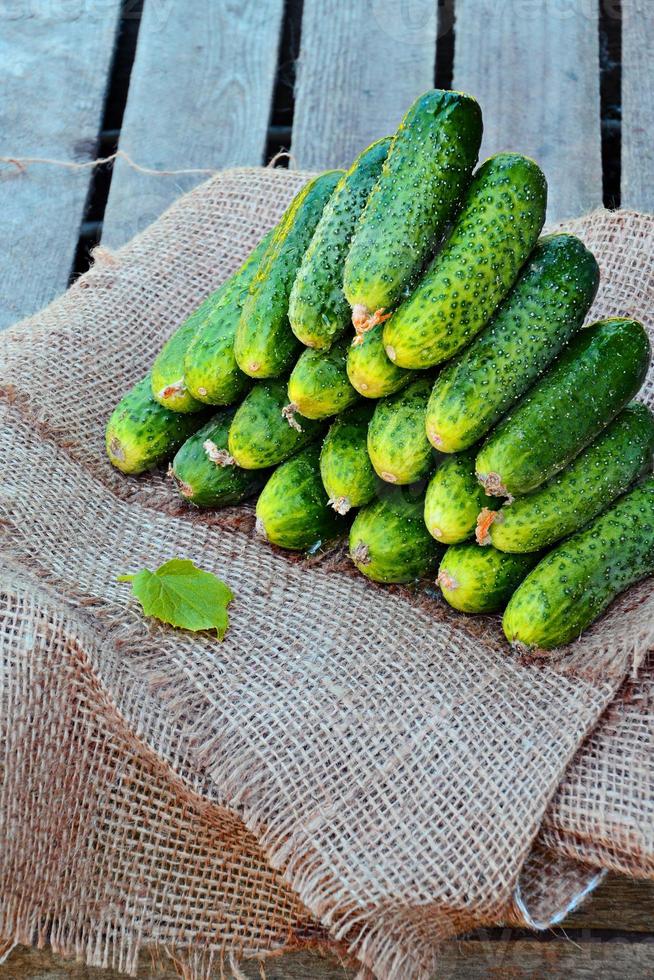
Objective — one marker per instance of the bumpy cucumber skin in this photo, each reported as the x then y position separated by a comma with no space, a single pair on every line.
595,478
141,433
318,310
318,386
260,435
167,376
597,374
454,498
546,306
264,344
481,580
578,579
389,541
397,444
201,480
211,373
347,473
292,509
493,234
426,172
369,369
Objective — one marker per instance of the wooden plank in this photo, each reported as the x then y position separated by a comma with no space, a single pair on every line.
361,65
619,904
199,97
535,69
637,180
497,956
55,65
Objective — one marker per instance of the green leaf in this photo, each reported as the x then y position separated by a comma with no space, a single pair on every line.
183,595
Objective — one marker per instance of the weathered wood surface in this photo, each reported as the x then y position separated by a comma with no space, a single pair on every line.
199,97
361,65
535,69
609,936
637,179
55,62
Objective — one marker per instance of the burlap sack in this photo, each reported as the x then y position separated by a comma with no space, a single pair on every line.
354,765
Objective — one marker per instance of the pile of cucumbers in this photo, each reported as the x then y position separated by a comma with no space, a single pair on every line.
404,357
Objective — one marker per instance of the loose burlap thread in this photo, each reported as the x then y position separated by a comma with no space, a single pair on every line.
354,767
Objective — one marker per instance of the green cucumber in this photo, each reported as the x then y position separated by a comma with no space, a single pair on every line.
211,373
597,374
426,172
578,579
481,580
599,474
141,433
389,541
318,310
167,375
318,386
397,444
345,467
491,237
264,344
369,369
544,309
204,472
454,498
261,434
292,509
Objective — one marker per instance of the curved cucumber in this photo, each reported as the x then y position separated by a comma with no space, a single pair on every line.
318,310
318,386
167,375
264,344
576,581
369,369
389,541
597,374
481,580
544,309
426,172
454,498
398,448
142,433
204,472
292,509
211,373
345,467
599,474
493,234
261,434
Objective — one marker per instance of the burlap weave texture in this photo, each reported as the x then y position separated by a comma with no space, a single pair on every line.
352,760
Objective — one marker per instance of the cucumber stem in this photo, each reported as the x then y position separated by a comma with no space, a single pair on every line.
218,456
492,484
288,412
363,320
360,554
340,504
484,521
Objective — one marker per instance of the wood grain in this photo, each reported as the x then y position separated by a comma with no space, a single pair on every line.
637,181
361,65
534,66
610,936
55,64
199,97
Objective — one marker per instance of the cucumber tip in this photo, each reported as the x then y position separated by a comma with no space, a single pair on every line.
288,412
492,484
446,582
360,554
260,529
388,477
390,353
